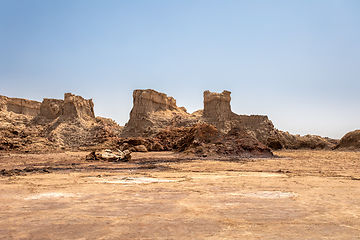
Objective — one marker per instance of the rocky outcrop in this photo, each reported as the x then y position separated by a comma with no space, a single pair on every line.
217,112
19,106
72,106
156,123
51,108
77,106
350,141
68,123
217,106
153,111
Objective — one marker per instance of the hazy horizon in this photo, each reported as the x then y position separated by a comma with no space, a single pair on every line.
296,62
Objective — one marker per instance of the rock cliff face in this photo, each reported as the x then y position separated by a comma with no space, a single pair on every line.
71,106
77,106
217,106
53,124
151,112
148,101
51,108
19,105
217,112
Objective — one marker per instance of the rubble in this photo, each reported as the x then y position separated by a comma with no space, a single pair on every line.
202,139
110,156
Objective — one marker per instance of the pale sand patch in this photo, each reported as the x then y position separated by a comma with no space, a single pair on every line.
267,194
132,180
50,195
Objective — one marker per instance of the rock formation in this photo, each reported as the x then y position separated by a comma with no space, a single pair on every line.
217,112
217,106
156,123
71,106
350,141
68,123
19,105
152,111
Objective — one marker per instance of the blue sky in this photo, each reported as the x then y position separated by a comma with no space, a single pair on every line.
296,61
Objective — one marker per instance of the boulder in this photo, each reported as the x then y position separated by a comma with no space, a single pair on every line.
140,148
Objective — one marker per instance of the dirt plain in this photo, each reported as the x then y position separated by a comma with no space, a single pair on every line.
298,194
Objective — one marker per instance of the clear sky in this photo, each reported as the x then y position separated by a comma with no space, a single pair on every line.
296,61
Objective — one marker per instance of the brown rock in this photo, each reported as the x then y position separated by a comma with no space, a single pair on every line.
204,139
217,105
152,111
51,108
71,106
141,148
351,140
60,124
19,106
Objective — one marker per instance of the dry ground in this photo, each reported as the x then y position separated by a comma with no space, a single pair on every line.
296,195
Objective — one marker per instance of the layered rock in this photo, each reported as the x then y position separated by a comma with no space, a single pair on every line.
77,106
217,106
51,108
19,106
68,123
153,111
217,112
71,106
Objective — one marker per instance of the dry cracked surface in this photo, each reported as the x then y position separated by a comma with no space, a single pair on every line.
295,195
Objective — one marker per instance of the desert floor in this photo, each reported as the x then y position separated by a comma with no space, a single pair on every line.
164,195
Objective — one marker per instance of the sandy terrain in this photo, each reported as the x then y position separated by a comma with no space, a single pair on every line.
296,195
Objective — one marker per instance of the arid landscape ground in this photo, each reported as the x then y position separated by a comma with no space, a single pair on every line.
298,194
168,174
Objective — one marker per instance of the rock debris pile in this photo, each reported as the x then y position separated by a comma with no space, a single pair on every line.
109,155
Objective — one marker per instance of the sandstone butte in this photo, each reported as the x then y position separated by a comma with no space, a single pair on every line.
156,123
